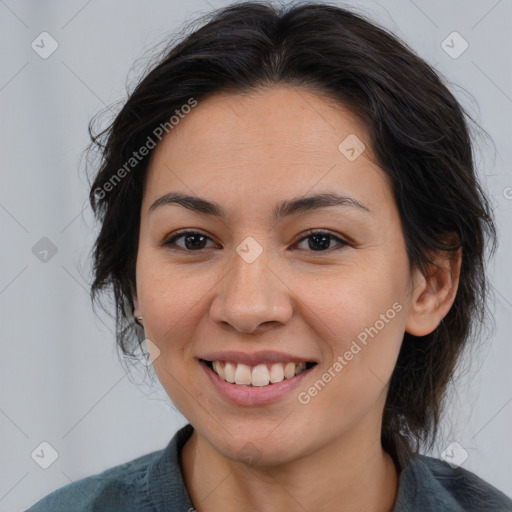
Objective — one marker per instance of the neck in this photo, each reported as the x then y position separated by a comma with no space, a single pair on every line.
352,473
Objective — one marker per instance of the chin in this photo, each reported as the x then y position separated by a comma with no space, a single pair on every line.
268,449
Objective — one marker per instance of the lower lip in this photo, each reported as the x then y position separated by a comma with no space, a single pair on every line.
254,395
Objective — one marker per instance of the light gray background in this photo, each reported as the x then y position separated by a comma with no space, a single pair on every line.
61,381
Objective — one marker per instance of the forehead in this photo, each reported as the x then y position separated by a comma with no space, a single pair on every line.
263,145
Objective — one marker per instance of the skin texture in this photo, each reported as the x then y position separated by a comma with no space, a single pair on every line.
249,152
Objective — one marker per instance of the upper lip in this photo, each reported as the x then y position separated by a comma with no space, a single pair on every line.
253,359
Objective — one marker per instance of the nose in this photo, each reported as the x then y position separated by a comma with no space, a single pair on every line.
252,297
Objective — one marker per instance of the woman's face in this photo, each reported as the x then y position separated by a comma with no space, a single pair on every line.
250,287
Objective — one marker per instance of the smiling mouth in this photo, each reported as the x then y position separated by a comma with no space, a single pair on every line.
260,375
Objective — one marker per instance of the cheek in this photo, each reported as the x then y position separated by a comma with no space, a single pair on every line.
169,297
342,304
362,327
362,346
359,319
171,303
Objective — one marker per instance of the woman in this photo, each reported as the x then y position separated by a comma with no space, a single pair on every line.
291,220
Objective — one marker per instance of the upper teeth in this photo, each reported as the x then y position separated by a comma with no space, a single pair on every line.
259,375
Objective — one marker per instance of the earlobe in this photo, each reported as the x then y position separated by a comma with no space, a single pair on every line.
136,306
137,313
433,294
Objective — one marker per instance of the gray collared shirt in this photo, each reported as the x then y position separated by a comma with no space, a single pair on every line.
154,483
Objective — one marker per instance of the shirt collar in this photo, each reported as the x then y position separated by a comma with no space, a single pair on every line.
418,489
165,484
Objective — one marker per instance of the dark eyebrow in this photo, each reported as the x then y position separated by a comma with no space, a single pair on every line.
284,209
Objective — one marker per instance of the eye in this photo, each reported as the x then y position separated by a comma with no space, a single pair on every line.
320,241
192,240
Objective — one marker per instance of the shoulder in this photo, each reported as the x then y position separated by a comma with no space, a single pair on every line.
432,484
150,483
119,488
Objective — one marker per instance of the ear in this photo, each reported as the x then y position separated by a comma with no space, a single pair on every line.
136,305
433,294
136,311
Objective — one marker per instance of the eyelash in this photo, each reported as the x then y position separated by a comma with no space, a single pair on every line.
170,243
